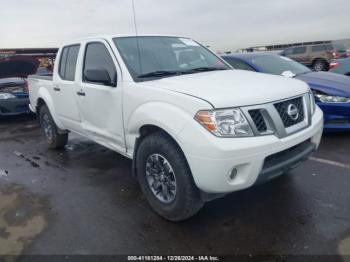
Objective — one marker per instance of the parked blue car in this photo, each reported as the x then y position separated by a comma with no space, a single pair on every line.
14,99
332,91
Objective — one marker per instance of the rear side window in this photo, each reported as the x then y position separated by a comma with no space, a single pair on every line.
318,48
238,64
299,50
68,62
97,56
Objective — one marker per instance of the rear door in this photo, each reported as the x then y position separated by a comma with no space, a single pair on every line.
299,54
65,88
101,105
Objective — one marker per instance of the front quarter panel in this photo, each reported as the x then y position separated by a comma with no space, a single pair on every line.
168,110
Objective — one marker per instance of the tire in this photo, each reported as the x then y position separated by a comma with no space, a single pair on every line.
320,65
54,139
183,201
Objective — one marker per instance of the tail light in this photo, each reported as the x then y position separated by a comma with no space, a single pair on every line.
26,87
334,65
336,55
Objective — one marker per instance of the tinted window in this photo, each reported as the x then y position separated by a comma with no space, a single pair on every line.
318,48
238,64
288,51
276,65
299,50
97,57
62,68
71,62
68,62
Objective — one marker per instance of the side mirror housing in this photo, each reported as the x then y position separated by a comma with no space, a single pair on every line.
98,75
288,74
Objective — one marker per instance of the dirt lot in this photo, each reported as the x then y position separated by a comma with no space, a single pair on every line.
82,200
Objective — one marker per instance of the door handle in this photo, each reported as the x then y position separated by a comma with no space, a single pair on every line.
56,88
81,93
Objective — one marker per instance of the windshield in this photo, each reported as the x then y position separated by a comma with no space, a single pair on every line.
276,65
158,56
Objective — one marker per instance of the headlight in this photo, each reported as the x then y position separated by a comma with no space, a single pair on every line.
6,96
225,122
312,102
331,99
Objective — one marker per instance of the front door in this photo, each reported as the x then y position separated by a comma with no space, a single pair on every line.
100,105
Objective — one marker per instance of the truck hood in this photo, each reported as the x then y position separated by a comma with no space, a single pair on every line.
18,66
329,83
233,88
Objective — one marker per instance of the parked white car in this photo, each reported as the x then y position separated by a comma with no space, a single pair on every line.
195,129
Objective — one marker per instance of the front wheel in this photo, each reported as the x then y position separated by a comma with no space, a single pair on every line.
54,139
166,179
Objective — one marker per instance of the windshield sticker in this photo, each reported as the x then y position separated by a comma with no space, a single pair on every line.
188,42
178,45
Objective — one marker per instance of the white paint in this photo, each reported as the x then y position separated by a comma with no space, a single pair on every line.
113,117
330,162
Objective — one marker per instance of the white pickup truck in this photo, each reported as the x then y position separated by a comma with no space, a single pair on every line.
195,129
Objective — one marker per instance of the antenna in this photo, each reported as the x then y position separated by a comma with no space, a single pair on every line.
134,15
137,36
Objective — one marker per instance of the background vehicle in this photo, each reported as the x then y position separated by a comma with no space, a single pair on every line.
14,98
316,56
195,129
332,91
340,66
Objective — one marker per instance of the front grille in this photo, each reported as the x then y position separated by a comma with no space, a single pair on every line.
258,119
282,109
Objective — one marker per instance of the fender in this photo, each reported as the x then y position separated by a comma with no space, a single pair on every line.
168,117
44,94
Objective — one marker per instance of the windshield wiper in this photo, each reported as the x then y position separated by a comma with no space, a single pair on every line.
159,74
203,69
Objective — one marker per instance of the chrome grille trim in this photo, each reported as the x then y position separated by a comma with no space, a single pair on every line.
273,120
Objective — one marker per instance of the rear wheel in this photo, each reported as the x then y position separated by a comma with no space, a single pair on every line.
320,65
166,179
54,139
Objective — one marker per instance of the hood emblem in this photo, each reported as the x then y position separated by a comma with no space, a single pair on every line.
293,112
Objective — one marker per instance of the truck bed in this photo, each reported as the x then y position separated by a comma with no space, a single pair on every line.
48,77
35,82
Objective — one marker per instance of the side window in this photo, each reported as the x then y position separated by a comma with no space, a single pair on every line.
63,60
68,62
97,56
299,50
71,62
288,51
318,48
237,64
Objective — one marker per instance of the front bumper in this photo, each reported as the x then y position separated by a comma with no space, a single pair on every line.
336,116
212,159
14,106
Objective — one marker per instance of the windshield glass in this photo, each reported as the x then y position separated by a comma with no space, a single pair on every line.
159,56
273,64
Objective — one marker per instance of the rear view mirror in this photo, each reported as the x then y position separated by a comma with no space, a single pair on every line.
98,75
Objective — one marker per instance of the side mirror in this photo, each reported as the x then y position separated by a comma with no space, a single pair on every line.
98,75
288,74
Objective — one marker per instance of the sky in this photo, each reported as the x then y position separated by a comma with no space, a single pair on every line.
222,24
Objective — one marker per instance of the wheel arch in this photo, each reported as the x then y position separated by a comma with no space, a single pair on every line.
44,98
319,59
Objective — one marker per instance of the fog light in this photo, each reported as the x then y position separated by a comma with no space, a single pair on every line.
233,173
